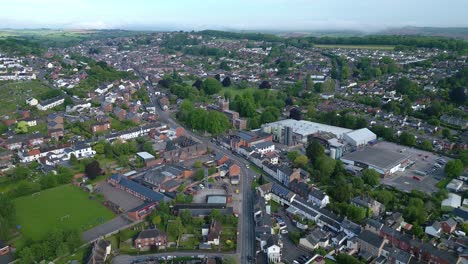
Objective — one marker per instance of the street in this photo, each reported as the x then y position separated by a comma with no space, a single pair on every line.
246,237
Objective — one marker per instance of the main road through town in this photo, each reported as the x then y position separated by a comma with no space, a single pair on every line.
246,236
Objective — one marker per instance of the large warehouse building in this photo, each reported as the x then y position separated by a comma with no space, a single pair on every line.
360,137
303,130
384,161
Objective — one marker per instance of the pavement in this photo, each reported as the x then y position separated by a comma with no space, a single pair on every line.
125,200
110,226
246,237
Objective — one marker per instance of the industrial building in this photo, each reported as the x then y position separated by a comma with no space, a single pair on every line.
301,130
384,161
360,137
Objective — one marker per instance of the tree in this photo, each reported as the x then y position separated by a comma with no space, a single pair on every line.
325,165
301,161
415,212
463,156
453,168
211,86
197,84
292,155
73,159
446,133
426,145
329,86
458,95
226,81
407,139
371,177
265,85
3,128
197,164
93,169
224,66
199,175
314,150
21,127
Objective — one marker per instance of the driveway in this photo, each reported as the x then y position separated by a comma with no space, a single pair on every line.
106,228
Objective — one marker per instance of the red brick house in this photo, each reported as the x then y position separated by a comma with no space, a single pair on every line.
448,226
142,211
151,238
100,127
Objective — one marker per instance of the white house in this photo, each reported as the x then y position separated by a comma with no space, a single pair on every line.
264,147
30,122
274,254
319,198
50,103
32,101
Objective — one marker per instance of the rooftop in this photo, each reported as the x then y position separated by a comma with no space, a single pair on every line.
377,157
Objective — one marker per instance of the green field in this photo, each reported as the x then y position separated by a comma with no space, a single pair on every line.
374,47
13,94
65,206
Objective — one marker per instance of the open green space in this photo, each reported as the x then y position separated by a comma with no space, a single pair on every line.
13,94
66,207
376,47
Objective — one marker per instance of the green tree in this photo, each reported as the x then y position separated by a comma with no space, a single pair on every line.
197,164
371,177
407,139
292,155
463,156
329,86
93,169
453,168
199,175
211,86
426,145
3,128
21,127
314,150
301,161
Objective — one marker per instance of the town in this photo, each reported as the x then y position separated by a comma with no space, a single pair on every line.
220,147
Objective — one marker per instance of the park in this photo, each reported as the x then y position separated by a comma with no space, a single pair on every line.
64,207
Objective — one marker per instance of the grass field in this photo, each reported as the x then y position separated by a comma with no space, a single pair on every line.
16,93
64,207
374,47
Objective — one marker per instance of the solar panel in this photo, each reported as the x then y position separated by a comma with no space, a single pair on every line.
280,191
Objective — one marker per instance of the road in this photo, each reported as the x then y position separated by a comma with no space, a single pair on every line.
126,259
246,237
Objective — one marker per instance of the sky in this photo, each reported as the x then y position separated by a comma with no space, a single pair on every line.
280,15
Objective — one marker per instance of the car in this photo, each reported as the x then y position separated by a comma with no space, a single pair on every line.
416,178
247,166
284,231
459,233
201,186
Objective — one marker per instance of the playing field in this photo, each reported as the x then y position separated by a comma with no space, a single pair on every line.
64,207
374,47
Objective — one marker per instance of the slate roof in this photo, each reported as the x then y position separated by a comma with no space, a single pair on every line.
150,233
138,188
371,238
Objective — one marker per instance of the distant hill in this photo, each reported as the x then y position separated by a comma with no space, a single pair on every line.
450,32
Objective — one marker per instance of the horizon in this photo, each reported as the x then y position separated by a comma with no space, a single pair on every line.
242,15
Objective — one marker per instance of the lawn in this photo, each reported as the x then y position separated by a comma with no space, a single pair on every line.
65,207
376,47
16,93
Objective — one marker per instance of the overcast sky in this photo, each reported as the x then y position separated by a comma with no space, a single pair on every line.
297,15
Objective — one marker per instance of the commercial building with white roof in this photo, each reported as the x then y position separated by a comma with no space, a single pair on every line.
360,137
301,129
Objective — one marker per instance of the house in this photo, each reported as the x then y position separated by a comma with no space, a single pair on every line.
32,101
101,250
448,226
454,185
271,245
50,103
264,147
214,233
319,197
140,212
234,173
30,121
100,127
151,238
434,230
365,202
453,201
370,244
315,239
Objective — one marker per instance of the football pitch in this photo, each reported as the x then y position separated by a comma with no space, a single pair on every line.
64,207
